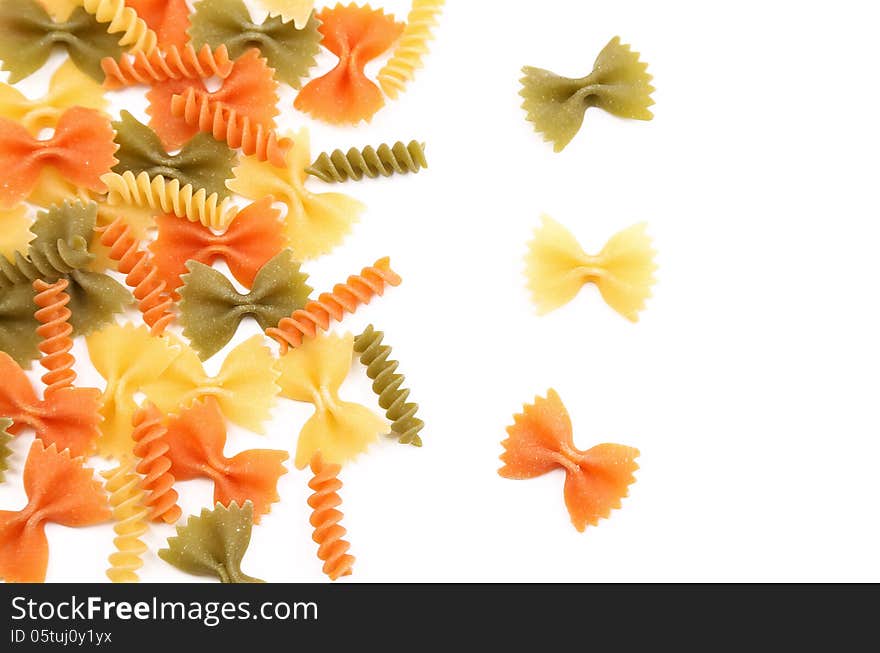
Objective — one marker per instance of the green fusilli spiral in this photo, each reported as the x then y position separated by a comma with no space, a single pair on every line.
386,160
387,384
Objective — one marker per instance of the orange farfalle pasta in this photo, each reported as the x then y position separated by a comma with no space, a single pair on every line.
250,90
170,63
53,315
81,150
357,35
169,19
196,439
150,448
252,239
227,124
154,299
69,419
540,441
332,306
60,490
325,518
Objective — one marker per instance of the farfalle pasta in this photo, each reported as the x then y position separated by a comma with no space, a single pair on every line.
202,162
557,268
252,239
15,231
411,48
169,19
298,11
332,306
30,34
196,438
81,150
245,387
388,386
313,373
213,543
168,63
168,196
68,88
211,308
289,50
384,161
540,441
556,105
315,222
357,35
60,490
128,357
249,90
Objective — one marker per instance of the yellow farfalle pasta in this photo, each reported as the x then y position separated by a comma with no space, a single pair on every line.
135,33
411,48
557,268
312,373
245,388
315,222
170,197
68,88
14,230
52,188
296,10
128,357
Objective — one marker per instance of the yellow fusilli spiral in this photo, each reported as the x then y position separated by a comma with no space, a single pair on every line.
170,197
413,45
135,32
130,513
339,166
388,385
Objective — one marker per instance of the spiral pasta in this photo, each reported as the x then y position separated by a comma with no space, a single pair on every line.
135,32
412,46
149,429
388,385
339,166
325,518
55,330
169,63
130,513
169,197
228,125
154,301
332,306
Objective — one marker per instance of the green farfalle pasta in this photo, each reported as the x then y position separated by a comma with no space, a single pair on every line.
619,84
5,451
384,161
211,309
290,51
29,34
203,162
388,385
60,249
214,543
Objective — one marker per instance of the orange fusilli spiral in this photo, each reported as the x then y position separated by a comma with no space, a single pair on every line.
142,276
170,63
332,306
149,428
55,330
325,518
225,124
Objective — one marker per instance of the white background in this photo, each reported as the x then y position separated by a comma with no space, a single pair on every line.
749,384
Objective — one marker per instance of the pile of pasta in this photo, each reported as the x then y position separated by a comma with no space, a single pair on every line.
99,213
